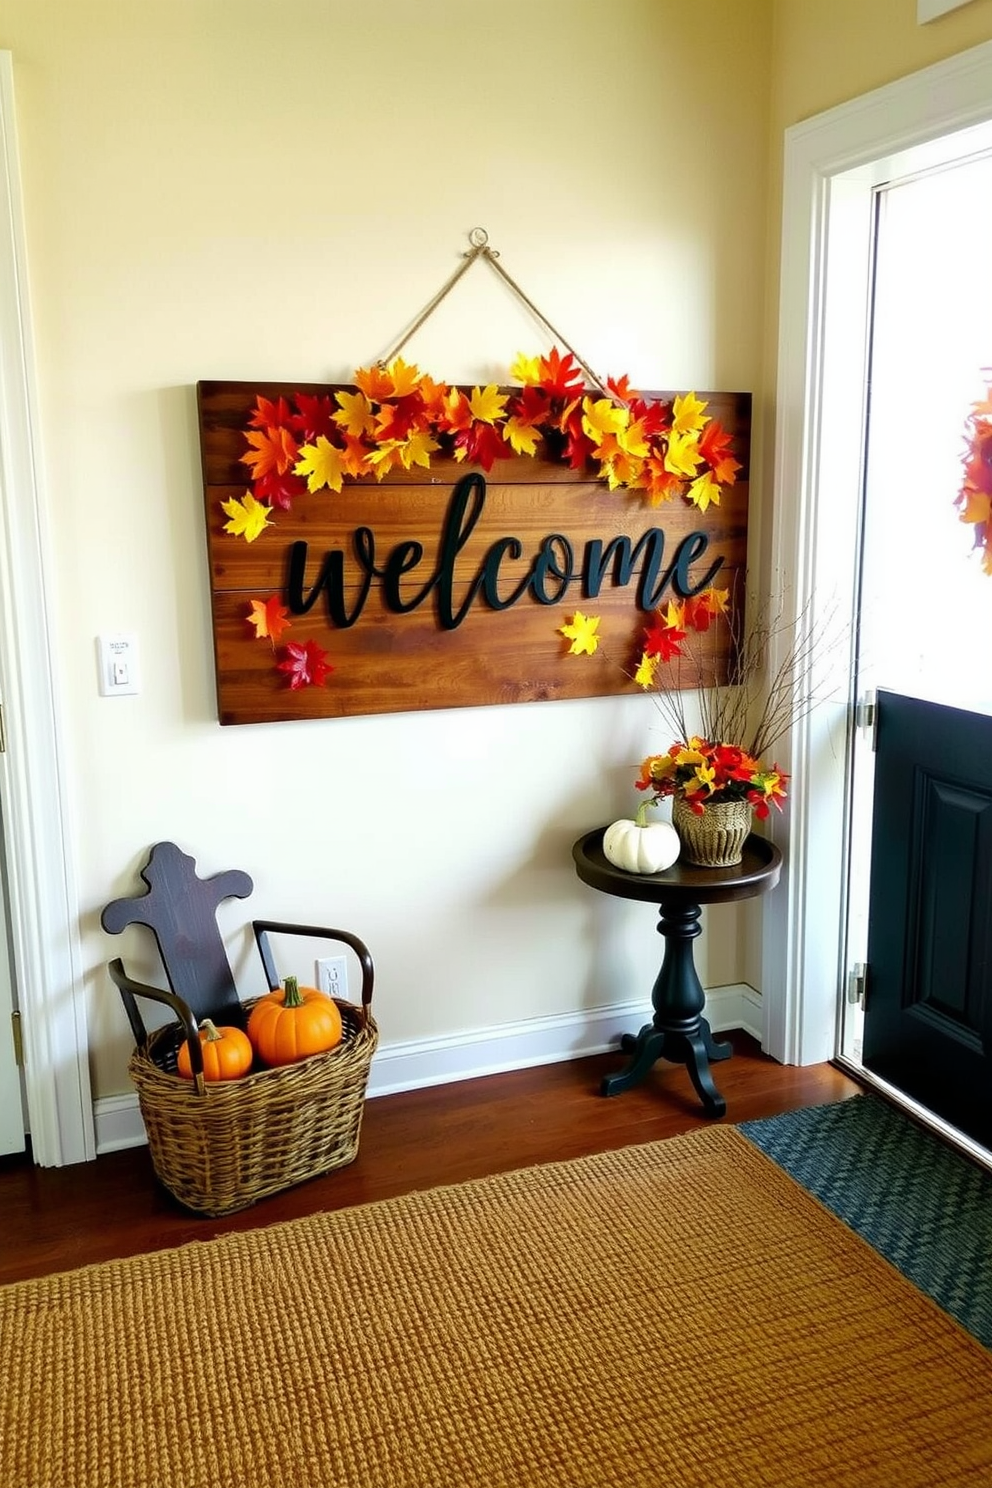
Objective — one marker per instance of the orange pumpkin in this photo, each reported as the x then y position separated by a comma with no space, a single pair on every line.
227,1053
294,1022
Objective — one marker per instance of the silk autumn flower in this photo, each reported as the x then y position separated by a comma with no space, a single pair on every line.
704,773
975,495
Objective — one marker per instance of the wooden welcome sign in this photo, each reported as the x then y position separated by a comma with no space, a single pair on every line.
447,586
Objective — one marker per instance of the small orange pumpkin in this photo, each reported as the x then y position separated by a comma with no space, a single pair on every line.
227,1053
294,1022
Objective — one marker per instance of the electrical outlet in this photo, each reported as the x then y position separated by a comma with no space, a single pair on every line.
332,976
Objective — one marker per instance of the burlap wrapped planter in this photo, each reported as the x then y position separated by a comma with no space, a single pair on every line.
716,838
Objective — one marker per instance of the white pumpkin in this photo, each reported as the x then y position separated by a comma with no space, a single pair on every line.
640,846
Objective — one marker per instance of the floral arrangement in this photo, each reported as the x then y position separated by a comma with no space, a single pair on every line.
704,773
399,417
975,495
741,720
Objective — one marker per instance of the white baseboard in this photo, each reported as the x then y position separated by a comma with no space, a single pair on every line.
416,1063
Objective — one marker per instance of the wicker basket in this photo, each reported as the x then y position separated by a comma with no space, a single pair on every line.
715,839
244,1139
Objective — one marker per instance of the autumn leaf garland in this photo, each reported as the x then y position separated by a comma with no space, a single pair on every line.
975,495
400,417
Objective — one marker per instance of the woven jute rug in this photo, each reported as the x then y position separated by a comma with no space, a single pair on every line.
669,1316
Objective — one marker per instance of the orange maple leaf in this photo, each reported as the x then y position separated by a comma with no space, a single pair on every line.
354,457
375,382
273,450
269,617
457,412
660,484
714,446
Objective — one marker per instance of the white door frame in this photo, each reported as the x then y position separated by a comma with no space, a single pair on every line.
832,164
43,900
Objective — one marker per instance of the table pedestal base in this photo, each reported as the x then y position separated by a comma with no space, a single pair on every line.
679,1031
694,1048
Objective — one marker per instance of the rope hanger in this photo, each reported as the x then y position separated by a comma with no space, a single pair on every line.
479,240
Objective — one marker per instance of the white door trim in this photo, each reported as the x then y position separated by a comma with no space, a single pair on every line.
832,163
44,935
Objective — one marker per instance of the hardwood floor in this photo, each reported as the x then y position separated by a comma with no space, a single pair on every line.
52,1219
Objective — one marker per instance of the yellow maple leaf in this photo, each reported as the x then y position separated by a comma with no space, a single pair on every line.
385,457
602,417
633,440
522,436
488,405
248,517
418,450
355,416
687,414
322,465
682,455
621,469
647,666
581,631
704,489
716,600
404,377
673,615
526,370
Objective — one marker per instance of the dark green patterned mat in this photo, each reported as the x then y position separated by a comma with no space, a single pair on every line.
919,1203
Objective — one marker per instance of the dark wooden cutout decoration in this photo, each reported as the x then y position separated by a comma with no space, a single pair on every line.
445,631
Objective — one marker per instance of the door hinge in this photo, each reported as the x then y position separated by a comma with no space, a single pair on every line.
857,984
18,1037
866,716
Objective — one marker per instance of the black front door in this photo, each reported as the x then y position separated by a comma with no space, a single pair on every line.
928,1014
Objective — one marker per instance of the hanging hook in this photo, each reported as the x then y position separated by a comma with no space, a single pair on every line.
479,239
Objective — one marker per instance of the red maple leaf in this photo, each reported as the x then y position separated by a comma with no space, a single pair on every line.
305,666
578,446
398,420
656,416
279,490
663,641
532,405
315,417
561,376
483,445
269,415
696,613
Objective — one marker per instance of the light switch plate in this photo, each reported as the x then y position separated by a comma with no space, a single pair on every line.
117,664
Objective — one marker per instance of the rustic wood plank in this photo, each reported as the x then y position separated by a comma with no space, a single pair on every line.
432,596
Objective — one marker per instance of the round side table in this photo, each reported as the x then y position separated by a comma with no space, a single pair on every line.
678,1031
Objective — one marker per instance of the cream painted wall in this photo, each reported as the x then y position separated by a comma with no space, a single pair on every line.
271,191
829,51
